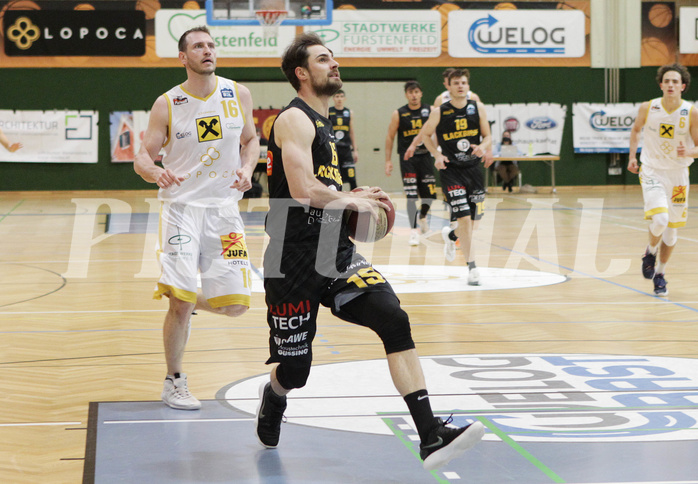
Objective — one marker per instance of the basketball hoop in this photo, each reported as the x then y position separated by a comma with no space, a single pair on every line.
270,21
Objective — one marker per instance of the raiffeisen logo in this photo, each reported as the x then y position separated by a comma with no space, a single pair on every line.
519,33
599,121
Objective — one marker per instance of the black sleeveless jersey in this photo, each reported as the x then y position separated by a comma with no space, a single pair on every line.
288,221
410,122
341,119
457,131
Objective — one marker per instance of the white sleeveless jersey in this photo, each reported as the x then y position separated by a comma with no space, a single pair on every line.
203,144
662,133
446,96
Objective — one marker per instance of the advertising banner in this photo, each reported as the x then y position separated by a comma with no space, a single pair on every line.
536,129
516,33
383,33
231,41
688,30
50,136
74,32
603,128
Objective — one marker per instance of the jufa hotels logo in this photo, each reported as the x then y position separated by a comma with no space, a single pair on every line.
23,33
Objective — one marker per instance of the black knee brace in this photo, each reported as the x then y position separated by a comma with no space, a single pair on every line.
381,312
290,376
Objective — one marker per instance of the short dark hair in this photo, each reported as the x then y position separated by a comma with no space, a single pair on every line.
340,92
183,39
412,85
447,72
685,75
296,55
458,73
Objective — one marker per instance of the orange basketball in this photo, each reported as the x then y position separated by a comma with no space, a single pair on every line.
84,6
21,5
655,52
191,5
444,9
660,15
505,6
346,7
149,7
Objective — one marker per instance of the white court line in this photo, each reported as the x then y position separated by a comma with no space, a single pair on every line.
469,305
638,482
194,420
37,424
109,311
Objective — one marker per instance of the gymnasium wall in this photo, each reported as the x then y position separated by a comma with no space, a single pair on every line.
107,90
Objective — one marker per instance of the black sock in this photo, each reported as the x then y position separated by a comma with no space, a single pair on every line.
424,210
420,409
471,265
177,375
452,235
274,398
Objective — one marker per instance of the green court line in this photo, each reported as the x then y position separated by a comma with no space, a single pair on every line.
409,444
526,454
13,209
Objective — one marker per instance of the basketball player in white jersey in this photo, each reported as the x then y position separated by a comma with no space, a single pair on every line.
669,147
206,129
445,96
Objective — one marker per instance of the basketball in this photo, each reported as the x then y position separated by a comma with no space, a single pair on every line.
656,52
444,10
660,15
363,228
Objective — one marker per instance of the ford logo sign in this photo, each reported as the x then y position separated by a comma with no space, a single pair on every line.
541,122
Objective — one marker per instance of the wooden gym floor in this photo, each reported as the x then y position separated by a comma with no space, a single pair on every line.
79,325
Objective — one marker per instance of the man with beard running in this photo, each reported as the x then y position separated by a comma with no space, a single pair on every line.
311,261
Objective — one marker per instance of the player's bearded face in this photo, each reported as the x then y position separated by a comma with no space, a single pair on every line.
326,84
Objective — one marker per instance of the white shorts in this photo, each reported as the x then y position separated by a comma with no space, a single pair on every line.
666,191
206,239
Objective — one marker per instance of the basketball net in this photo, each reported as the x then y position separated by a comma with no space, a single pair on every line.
270,21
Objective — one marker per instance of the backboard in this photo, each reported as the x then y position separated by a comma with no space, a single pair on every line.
242,12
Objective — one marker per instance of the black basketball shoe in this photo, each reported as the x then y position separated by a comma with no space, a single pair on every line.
269,417
446,443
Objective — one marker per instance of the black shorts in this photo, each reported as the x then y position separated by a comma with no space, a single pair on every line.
464,189
418,176
293,302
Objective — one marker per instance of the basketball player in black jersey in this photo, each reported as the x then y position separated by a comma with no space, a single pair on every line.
311,261
343,126
418,178
463,134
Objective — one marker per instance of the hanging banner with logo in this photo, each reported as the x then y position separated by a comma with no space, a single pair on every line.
231,41
603,128
126,131
50,136
516,33
536,129
74,32
383,33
